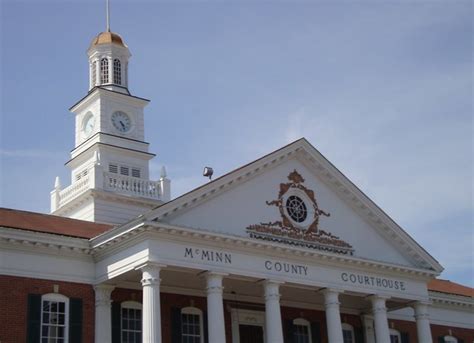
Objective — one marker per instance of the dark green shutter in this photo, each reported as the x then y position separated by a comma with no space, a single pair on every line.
359,335
175,325
460,340
405,337
75,320
34,318
206,330
441,339
116,322
316,332
289,331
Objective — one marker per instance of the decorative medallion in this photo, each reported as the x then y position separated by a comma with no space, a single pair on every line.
299,224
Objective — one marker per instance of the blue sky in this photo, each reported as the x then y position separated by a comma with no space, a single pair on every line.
383,90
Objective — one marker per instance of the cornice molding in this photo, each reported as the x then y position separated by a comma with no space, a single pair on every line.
107,243
42,242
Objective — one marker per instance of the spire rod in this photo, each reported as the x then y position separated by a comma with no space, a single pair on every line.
108,15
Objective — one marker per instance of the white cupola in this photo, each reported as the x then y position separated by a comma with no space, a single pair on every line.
108,62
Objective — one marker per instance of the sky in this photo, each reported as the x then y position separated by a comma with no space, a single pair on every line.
383,89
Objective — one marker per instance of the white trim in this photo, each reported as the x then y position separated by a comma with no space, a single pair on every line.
197,312
450,339
304,322
54,297
348,327
396,333
246,317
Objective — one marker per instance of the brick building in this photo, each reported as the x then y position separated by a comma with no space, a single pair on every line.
283,249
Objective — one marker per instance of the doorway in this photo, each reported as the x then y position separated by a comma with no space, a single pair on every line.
248,326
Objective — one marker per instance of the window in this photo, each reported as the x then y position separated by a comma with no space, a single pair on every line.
131,314
124,170
117,72
347,333
450,339
104,71
94,73
113,168
191,325
135,172
81,174
54,318
302,333
395,336
296,209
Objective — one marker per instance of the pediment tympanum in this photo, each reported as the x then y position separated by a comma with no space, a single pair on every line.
298,222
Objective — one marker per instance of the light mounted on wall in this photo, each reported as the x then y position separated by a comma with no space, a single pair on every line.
208,171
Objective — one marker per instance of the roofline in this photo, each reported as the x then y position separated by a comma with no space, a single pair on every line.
107,90
302,143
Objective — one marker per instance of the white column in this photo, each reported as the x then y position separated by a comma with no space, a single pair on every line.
382,332
368,324
103,313
151,313
273,327
333,316
422,322
215,308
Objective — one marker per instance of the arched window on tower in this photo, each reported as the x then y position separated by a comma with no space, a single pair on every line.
117,72
104,71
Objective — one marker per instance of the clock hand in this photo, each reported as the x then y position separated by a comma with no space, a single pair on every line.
123,125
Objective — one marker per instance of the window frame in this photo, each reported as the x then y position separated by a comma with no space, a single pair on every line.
303,322
348,327
55,297
134,305
193,311
104,70
117,71
396,333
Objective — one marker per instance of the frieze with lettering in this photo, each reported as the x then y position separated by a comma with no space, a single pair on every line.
208,255
372,281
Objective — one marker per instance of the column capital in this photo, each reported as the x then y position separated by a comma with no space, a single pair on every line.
102,294
272,289
214,281
331,297
421,309
378,303
150,273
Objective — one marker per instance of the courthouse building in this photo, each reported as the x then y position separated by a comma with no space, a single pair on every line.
283,249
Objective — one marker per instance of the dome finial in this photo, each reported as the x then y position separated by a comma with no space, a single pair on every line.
108,15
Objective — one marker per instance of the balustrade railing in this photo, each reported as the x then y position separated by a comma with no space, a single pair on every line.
74,190
131,185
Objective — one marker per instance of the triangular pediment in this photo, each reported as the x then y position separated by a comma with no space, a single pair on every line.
296,197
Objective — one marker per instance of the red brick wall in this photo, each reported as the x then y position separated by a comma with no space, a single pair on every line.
14,301
14,295
467,335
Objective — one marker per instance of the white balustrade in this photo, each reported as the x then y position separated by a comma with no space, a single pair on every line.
72,191
131,185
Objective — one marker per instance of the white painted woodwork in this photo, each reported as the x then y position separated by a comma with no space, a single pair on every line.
215,307
151,313
273,325
333,315
422,322
382,332
103,316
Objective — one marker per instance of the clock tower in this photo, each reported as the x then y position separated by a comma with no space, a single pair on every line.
110,181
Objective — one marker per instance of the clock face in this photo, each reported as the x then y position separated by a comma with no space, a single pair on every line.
121,121
89,123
